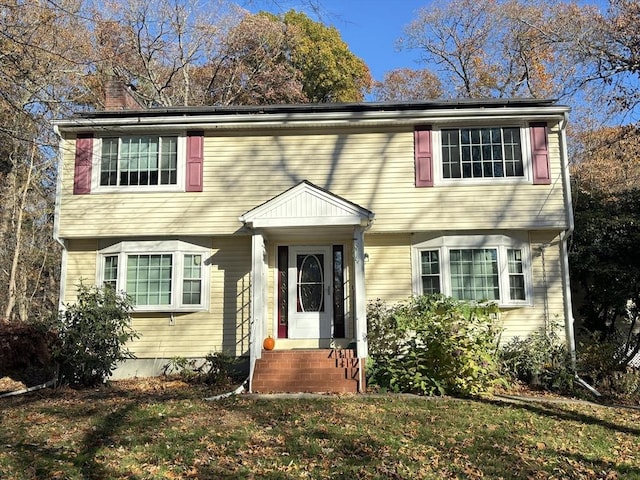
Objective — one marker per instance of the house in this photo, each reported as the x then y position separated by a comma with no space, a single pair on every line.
227,225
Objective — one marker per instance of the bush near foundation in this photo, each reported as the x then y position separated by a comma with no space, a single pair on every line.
540,360
433,345
92,334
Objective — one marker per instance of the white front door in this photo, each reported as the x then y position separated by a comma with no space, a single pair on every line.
310,288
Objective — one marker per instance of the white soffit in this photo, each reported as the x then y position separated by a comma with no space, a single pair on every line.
306,205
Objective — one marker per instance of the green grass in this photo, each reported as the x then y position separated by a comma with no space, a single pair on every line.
168,431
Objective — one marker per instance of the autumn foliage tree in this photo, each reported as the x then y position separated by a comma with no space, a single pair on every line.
253,65
405,84
488,48
159,48
330,72
604,259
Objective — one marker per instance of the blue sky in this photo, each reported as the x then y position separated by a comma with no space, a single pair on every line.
369,27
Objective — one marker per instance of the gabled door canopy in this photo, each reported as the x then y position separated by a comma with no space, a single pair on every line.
306,204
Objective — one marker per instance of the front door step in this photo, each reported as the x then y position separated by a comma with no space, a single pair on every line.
309,371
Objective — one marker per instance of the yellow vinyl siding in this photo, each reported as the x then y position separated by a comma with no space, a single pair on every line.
225,327
548,295
388,277
371,167
388,270
81,267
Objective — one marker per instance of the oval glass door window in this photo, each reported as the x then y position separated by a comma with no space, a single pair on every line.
310,283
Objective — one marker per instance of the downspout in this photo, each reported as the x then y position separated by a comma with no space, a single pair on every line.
564,253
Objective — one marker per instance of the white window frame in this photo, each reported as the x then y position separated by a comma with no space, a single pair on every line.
177,249
501,243
181,162
525,145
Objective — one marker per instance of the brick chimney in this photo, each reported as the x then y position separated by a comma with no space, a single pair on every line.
118,96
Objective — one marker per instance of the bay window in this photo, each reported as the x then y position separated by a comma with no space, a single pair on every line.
158,276
475,268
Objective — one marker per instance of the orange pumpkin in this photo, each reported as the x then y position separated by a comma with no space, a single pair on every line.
269,343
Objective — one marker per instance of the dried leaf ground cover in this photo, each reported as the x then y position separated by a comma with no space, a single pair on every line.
166,430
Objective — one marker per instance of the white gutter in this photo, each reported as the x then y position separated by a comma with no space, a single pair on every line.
297,120
564,251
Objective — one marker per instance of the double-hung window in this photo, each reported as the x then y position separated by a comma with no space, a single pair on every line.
514,152
487,152
139,160
158,276
475,268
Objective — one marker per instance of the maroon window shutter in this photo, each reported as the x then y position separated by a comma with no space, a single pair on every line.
540,154
84,158
195,146
423,152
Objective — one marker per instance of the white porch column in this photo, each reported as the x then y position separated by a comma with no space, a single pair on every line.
258,301
360,304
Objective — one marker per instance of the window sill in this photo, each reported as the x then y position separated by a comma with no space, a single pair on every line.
138,189
448,182
169,309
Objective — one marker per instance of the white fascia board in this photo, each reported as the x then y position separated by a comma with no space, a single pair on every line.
315,119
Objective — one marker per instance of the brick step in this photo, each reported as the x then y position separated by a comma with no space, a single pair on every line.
313,364
310,354
326,371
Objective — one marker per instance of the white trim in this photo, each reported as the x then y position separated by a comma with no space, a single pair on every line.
306,205
258,291
177,249
501,243
181,163
360,294
525,146
305,222
564,250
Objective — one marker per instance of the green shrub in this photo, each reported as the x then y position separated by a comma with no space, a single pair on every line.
540,360
433,345
92,334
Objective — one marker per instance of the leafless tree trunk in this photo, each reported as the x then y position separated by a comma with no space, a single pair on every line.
13,283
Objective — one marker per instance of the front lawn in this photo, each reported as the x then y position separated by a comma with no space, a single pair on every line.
165,429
